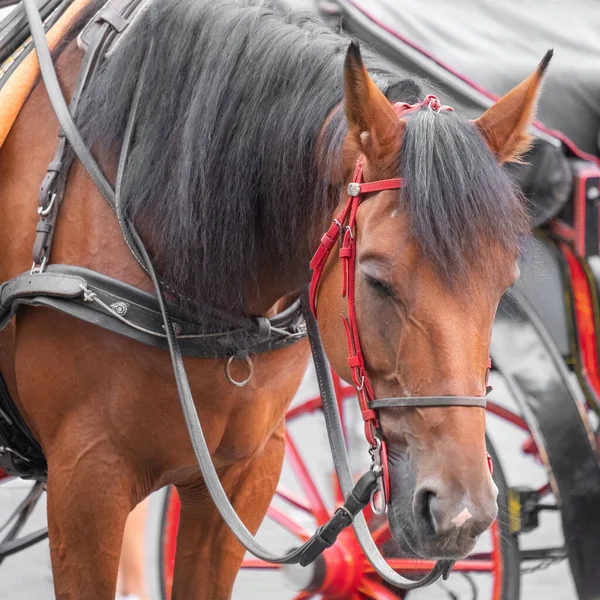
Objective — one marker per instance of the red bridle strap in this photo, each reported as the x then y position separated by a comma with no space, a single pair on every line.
357,189
346,222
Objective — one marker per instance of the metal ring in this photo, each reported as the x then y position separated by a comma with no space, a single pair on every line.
339,225
231,379
376,510
349,230
43,212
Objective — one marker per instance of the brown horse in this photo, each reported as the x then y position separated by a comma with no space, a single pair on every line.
244,143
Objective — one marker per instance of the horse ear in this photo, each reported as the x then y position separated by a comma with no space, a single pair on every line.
372,122
504,126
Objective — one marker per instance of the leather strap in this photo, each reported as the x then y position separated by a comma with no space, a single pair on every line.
429,401
118,13
358,189
40,284
60,106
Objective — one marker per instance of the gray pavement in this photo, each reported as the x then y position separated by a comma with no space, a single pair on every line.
27,576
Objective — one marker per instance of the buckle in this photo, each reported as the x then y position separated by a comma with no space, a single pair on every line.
45,211
37,268
378,498
353,189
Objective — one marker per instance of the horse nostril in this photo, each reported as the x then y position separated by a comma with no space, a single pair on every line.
440,513
425,501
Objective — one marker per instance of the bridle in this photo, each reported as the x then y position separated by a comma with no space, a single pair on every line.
343,226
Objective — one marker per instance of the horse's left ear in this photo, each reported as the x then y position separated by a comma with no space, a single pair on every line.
504,126
372,122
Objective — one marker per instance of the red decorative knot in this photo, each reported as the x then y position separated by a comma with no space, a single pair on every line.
430,101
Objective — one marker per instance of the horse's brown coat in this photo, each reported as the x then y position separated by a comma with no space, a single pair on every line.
15,91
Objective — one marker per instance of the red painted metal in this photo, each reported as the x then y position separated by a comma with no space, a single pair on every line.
304,596
498,565
530,447
373,588
169,541
584,318
544,490
344,568
506,414
291,498
417,565
318,508
277,515
306,408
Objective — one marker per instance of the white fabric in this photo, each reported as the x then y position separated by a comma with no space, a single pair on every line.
497,43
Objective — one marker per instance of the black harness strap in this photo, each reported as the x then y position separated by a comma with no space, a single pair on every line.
43,284
102,30
126,310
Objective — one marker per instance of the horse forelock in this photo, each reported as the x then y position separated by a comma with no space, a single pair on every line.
462,205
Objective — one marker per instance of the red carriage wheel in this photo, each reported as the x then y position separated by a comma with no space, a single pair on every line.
342,571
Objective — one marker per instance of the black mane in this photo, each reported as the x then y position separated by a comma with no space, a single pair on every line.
224,175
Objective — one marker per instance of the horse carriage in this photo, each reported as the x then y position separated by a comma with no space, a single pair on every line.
543,344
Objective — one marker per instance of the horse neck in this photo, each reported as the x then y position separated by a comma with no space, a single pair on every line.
277,288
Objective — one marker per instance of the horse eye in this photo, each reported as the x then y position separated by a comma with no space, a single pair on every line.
380,286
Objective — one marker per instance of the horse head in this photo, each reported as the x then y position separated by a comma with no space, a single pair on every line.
431,263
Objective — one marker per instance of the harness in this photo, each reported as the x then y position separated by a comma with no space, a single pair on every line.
83,293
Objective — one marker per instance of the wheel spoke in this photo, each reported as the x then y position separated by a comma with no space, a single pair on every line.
256,563
375,589
308,407
292,499
414,565
310,489
507,415
544,490
287,523
497,560
382,534
303,596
